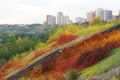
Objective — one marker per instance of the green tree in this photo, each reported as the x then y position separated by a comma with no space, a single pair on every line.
2,61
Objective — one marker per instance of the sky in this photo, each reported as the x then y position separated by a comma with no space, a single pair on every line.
35,11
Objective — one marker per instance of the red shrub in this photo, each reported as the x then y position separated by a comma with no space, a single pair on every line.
64,65
64,38
48,65
92,57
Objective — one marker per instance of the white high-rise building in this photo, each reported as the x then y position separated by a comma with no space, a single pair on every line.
108,15
117,17
51,20
62,20
105,15
100,13
79,20
119,13
90,16
66,20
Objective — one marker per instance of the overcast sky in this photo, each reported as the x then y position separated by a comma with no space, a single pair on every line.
35,11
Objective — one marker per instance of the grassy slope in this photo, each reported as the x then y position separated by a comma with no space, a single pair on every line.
114,39
75,30
103,66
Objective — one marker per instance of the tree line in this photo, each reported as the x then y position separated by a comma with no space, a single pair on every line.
12,44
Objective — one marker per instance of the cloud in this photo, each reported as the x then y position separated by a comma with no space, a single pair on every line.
21,13
29,11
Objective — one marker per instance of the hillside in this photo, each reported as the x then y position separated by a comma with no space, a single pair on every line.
81,48
77,57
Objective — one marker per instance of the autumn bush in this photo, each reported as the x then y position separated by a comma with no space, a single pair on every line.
65,38
67,64
96,41
7,66
48,64
92,57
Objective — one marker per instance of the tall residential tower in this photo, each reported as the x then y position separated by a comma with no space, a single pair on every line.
51,20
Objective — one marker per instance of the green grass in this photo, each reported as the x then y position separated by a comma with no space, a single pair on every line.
22,78
103,66
114,78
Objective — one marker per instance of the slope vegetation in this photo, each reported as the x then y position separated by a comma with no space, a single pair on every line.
70,57
82,55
